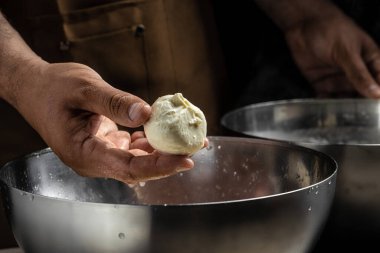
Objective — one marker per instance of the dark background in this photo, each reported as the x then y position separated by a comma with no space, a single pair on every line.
259,64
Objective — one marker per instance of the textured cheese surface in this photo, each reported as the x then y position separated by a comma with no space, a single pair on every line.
176,126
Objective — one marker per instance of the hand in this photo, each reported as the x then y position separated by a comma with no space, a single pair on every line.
335,55
75,111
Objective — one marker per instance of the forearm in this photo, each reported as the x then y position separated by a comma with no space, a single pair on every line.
17,61
288,14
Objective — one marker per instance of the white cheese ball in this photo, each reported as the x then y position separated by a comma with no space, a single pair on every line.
176,126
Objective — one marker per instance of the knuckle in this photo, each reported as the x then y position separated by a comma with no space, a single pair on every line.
87,90
117,104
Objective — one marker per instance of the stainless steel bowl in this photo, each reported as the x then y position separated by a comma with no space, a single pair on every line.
346,129
244,195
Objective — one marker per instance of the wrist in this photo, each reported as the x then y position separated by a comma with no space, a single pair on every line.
18,62
18,79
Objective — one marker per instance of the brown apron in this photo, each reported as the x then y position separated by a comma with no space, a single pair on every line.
150,48
146,47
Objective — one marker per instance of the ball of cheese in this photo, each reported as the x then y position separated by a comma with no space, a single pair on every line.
176,126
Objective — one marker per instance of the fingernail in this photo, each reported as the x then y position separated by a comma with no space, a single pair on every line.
135,110
374,89
189,163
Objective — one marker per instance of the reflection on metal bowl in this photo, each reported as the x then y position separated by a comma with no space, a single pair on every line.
243,195
346,129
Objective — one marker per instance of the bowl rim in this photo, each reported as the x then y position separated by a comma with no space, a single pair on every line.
298,101
326,157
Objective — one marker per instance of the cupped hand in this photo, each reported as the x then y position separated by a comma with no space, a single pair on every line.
336,55
76,112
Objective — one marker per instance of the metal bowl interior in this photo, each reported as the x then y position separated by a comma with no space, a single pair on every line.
346,129
241,191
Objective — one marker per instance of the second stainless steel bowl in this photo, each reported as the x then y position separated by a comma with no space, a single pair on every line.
346,129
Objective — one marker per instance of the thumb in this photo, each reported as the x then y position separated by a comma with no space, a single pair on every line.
122,107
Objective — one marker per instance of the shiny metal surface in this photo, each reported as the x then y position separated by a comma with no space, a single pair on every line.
244,195
346,129
11,250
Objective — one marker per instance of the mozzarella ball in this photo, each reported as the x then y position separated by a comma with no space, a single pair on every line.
176,126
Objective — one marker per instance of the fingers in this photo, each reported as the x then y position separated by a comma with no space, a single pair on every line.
142,144
120,139
357,66
137,135
100,125
144,168
372,58
139,141
375,68
129,166
205,145
358,74
107,130
334,86
121,107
